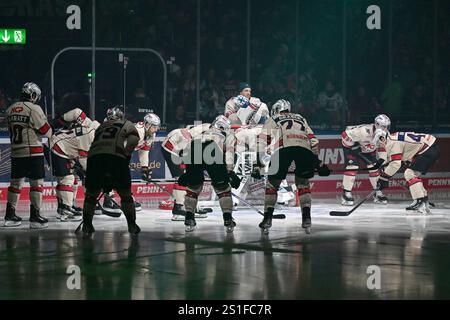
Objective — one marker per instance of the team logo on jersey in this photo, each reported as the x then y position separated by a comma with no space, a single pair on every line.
17,109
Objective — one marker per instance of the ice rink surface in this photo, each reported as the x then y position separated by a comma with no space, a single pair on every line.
411,251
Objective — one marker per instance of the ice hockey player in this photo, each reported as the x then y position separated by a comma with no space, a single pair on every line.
213,151
358,144
173,148
289,138
108,167
27,123
147,132
69,145
418,152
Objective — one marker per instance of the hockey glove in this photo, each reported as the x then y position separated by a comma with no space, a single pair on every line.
378,164
146,173
383,181
234,179
323,170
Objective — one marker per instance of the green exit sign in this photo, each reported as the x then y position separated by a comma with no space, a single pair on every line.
13,36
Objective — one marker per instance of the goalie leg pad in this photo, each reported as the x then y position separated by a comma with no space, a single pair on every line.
191,198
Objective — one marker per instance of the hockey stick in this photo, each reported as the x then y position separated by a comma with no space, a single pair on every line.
275,216
160,187
347,213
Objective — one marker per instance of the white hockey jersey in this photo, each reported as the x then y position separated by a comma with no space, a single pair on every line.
404,146
27,123
178,140
360,137
145,144
287,130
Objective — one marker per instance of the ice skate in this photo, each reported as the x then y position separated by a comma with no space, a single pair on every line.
64,213
347,198
76,211
109,206
266,224
178,214
36,221
413,206
306,219
189,222
11,219
134,229
423,207
379,197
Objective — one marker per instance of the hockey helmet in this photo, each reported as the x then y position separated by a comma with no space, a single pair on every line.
115,113
150,120
280,106
383,122
32,91
379,137
222,123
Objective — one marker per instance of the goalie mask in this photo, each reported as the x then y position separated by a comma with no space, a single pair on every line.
280,106
32,91
382,122
152,120
222,123
115,113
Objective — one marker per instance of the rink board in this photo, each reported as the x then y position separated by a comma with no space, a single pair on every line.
330,152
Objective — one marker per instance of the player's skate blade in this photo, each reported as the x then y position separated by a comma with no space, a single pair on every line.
265,225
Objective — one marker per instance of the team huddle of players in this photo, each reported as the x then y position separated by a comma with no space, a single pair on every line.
100,154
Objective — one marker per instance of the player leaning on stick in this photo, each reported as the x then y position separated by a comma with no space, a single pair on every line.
108,167
212,152
27,123
289,139
70,145
173,146
358,144
418,152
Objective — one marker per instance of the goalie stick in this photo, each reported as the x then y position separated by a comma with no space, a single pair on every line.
347,213
275,216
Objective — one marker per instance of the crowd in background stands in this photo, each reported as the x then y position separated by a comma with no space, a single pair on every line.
405,93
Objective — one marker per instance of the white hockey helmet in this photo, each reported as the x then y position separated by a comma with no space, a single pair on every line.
280,106
222,123
32,90
382,121
241,101
379,137
115,113
150,120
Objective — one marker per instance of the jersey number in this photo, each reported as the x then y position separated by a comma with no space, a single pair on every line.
16,134
107,133
290,123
